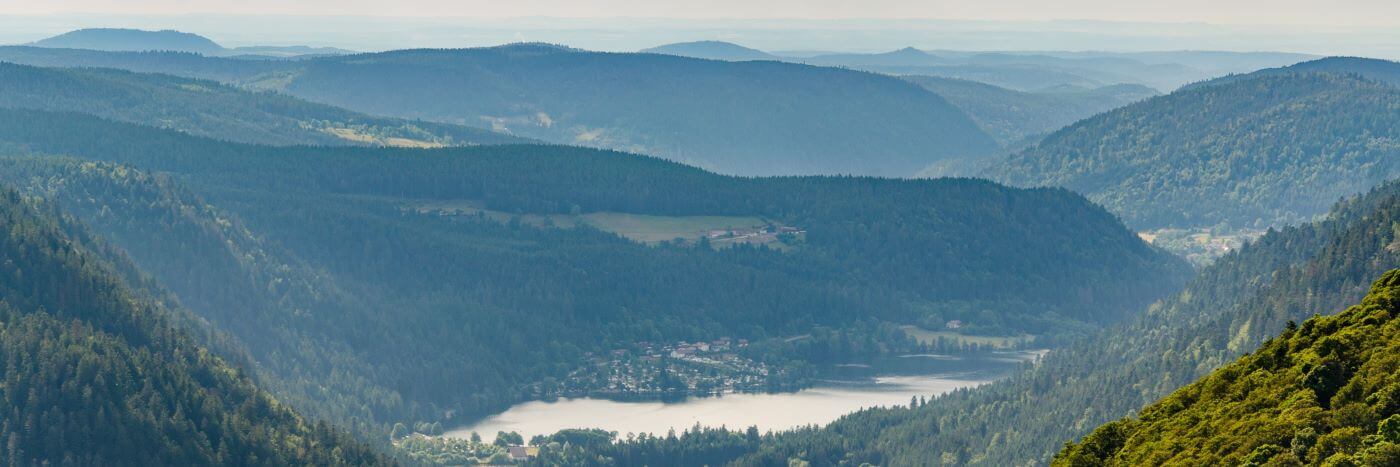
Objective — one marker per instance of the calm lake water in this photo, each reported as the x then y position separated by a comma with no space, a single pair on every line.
888,382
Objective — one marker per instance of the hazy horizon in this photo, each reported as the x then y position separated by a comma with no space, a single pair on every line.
371,33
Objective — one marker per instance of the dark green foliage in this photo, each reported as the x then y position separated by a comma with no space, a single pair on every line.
211,109
1313,389
95,375
1017,118
1254,153
751,118
1231,306
299,252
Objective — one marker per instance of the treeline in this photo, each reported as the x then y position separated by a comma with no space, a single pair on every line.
95,374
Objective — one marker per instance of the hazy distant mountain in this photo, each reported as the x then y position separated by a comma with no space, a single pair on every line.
906,57
712,50
119,40
286,51
1013,117
211,109
1260,151
1034,71
752,118
136,40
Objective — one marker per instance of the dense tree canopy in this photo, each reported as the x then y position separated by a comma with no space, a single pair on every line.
94,374
1258,152
1325,392
300,251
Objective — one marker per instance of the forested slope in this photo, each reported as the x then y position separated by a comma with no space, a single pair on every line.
1257,152
300,251
1013,116
95,374
1325,392
207,108
1229,308
750,118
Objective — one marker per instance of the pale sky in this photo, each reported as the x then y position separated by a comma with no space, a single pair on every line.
1368,13
1323,27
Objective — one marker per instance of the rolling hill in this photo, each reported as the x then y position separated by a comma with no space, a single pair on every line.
215,110
711,50
1017,118
1258,152
136,40
96,374
1324,392
1228,309
478,252
750,118
132,40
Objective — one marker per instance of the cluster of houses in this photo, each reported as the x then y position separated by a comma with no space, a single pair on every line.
763,233
703,367
684,349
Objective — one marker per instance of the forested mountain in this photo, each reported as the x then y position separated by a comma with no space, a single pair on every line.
215,110
1229,308
132,40
298,252
1257,152
711,50
751,118
96,374
1384,71
136,40
1323,393
1014,117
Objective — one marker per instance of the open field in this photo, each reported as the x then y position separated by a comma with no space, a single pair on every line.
638,227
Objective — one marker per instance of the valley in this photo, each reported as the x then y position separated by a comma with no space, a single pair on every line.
511,248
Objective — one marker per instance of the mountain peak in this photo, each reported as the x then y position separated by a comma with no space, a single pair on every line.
132,40
712,50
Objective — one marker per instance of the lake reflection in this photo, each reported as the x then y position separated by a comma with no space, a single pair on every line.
898,379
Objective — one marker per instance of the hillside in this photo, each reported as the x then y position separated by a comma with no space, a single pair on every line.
132,40
1017,117
711,50
750,118
96,375
1384,71
1230,307
211,109
481,255
1252,153
1327,391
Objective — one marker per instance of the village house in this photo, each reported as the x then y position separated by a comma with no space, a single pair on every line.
954,324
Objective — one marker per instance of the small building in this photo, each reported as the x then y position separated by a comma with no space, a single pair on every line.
522,453
954,324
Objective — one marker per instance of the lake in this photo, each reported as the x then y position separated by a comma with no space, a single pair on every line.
890,381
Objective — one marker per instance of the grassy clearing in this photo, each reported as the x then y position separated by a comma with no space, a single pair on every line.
638,227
